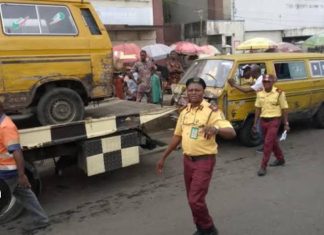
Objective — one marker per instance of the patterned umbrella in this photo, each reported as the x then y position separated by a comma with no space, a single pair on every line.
257,43
209,50
285,47
126,52
314,41
186,48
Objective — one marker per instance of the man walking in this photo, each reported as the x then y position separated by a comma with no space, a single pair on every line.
143,68
271,107
196,129
12,172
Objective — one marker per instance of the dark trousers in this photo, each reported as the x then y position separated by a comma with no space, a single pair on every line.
270,129
197,175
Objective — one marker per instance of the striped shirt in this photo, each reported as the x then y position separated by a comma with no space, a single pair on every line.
9,142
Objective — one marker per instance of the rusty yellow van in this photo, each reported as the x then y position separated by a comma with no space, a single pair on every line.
55,58
300,75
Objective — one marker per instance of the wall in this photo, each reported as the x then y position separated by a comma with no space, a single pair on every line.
185,11
273,35
279,14
125,12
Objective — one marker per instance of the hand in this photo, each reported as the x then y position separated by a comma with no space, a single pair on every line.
254,129
209,132
231,81
23,181
213,107
286,127
160,166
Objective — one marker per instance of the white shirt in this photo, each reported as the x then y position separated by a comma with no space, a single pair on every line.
258,85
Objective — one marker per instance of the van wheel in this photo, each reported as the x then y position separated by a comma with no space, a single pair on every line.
247,137
13,209
319,118
60,105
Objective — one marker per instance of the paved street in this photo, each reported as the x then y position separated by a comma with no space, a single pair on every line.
134,200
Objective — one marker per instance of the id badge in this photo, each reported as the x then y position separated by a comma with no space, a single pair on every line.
194,132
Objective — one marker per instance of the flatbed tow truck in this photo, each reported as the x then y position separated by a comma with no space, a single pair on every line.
107,139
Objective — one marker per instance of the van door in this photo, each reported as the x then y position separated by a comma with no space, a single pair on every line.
317,77
293,80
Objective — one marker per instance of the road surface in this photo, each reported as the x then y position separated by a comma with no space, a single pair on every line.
289,200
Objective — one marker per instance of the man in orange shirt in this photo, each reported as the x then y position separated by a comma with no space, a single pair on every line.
12,171
197,127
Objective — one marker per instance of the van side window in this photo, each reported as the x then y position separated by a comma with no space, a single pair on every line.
19,19
317,68
91,23
290,70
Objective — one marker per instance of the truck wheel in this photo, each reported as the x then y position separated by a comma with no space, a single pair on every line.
13,209
60,105
319,117
247,137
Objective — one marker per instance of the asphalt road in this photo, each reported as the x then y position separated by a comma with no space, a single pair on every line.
289,200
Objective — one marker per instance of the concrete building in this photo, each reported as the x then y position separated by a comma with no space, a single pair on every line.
225,23
137,21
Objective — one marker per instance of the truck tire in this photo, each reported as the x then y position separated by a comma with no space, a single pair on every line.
319,117
14,208
247,137
60,105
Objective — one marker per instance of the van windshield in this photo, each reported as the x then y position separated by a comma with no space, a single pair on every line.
214,72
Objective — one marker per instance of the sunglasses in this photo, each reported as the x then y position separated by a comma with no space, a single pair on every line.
266,81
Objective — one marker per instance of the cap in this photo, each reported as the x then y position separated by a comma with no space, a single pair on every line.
196,80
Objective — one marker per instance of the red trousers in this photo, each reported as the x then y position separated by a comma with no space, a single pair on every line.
270,134
197,175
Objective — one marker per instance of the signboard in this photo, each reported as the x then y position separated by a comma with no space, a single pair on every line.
279,14
125,15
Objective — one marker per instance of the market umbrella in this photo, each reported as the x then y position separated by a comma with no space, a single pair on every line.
126,52
187,48
209,50
157,51
257,43
314,41
285,47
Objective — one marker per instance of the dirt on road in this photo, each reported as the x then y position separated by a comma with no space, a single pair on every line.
135,201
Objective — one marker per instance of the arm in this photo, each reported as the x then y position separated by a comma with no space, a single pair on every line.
172,146
240,88
256,119
22,178
285,119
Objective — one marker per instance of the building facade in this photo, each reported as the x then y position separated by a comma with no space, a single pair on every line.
137,21
226,23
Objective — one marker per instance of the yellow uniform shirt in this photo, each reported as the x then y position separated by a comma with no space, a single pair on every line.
271,103
191,121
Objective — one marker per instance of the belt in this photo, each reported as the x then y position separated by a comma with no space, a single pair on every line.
266,119
199,157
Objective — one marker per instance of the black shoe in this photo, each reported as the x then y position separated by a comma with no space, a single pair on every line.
278,162
210,231
262,172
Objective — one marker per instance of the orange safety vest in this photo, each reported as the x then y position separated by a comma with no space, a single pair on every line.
9,142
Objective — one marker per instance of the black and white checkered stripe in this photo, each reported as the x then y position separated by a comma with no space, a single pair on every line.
74,131
106,154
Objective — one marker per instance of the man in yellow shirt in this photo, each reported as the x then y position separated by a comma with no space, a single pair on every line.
271,106
196,129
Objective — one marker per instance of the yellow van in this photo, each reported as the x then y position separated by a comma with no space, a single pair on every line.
300,75
56,57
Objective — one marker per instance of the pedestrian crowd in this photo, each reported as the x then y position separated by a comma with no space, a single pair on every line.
147,78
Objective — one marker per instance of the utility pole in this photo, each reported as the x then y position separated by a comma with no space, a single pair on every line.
200,13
